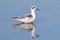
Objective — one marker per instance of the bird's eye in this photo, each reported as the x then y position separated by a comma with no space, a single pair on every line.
33,7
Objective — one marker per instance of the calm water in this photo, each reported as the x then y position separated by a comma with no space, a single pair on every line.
47,23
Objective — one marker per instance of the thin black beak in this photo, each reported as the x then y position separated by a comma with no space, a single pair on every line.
37,9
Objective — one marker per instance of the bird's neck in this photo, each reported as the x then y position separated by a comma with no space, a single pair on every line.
33,13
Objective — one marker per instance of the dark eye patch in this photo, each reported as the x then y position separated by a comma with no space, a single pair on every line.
33,7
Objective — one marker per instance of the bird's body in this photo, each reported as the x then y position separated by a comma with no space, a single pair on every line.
28,18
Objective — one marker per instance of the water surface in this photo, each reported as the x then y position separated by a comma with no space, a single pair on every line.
47,19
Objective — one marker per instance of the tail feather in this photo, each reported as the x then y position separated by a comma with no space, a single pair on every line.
15,17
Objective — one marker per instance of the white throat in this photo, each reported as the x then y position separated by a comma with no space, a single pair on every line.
33,12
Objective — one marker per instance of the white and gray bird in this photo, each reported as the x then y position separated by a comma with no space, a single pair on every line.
29,17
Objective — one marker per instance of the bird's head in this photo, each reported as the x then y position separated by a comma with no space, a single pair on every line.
34,8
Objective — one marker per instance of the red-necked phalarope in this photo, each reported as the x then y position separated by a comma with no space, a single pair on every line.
28,18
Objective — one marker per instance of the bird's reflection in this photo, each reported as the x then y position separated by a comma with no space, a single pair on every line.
28,26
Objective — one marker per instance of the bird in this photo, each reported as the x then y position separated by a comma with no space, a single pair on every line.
29,17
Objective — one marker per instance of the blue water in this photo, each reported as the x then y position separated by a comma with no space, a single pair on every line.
47,19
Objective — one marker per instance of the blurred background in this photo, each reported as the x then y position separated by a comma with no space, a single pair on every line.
47,20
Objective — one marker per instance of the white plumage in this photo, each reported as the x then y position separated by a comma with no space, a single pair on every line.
28,18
